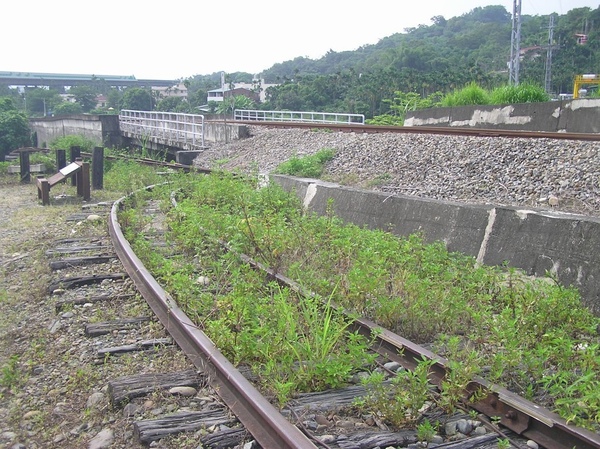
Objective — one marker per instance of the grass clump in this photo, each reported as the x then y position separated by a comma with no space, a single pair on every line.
469,95
473,94
127,176
521,93
532,336
308,166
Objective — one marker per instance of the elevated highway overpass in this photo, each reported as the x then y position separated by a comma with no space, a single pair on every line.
60,80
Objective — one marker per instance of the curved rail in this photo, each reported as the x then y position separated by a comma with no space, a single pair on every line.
261,418
516,413
271,429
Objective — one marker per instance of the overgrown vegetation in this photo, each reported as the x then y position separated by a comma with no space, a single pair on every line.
474,94
310,166
72,140
530,335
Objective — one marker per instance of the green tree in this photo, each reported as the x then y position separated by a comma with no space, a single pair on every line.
228,105
114,99
40,101
173,104
137,99
67,108
85,96
14,128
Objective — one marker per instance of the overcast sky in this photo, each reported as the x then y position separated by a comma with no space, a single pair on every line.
172,40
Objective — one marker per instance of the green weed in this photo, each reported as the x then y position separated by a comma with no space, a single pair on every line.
529,334
10,372
308,166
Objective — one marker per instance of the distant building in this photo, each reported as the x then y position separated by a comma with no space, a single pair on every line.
70,98
581,39
255,91
222,93
178,90
101,101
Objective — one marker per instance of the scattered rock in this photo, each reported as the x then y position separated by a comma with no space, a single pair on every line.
94,399
183,391
103,439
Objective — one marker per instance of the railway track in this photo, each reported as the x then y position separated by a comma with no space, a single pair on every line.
89,271
474,132
522,418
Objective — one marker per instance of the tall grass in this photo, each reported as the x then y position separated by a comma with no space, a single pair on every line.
473,94
533,336
308,166
522,93
468,95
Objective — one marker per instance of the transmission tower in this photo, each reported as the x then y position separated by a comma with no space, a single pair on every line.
515,44
549,48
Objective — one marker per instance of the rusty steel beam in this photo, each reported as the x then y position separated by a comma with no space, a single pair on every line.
474,132
259,417
516,413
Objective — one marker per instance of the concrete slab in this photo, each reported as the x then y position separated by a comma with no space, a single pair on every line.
536,241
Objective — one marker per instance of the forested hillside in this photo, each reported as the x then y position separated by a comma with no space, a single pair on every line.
438,57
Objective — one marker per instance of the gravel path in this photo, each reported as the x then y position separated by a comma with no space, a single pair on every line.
541,173
53,390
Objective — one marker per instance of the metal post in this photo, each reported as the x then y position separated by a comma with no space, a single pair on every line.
515,44
98,168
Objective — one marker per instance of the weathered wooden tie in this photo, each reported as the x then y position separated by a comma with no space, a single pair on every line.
144,345
74,282
225,438
76,249
106,327
126,388
154,429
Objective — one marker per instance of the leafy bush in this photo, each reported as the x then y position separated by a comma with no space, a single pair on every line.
14,128
307,166
66,142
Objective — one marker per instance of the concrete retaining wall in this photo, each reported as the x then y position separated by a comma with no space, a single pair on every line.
581,115
535,241
104,130
101,129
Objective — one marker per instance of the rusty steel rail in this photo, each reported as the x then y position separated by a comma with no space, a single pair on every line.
516,413
271,429
473,132
268,427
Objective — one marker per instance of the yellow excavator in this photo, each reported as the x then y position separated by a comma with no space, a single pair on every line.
581,80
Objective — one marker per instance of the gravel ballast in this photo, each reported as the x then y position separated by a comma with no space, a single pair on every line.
543,173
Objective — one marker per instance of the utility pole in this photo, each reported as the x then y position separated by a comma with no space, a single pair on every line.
549,48
515,44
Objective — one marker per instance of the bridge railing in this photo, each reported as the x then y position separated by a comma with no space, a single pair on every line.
298,116
165,126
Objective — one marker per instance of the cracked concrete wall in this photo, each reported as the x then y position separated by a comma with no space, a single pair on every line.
536,241
581,115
